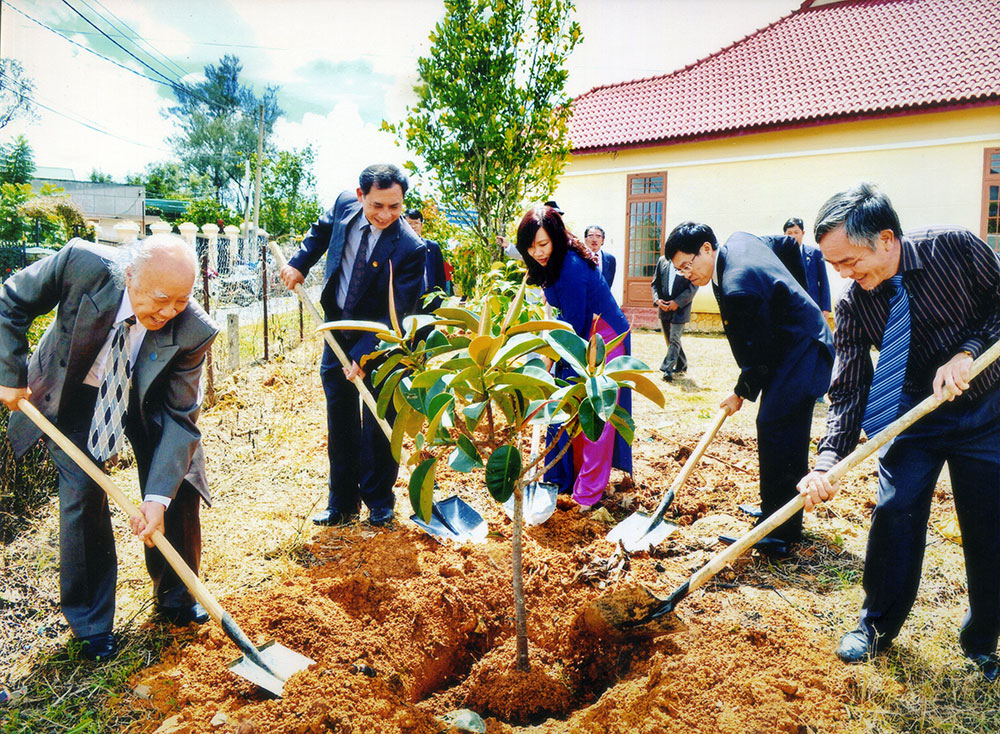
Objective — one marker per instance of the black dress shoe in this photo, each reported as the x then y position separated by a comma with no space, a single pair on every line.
183,616
855,647
381,521
99,647
988,664
751,510
768,546
668,377
334,517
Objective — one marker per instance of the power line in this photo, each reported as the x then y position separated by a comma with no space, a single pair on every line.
137,37
169,81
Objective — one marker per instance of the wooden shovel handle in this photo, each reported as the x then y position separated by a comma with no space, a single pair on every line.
843,466
192,582
359,382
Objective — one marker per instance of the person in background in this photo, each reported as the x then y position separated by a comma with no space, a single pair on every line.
434,269
593,236
361,237
567,271
929,300
782,345
816,280
672,296
123,357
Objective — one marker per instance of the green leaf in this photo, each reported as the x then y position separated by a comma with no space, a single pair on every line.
426,379
473,414
422,489
623,423
595,353
626,362
570,348
438,406
399,432
590,421
517,346
502,470
642,384
386,368
415,322
375,327
603,394
465,457
385,394
465,317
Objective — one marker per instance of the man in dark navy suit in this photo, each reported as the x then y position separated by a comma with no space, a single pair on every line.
817,281
782,344
594,238
672,297
362,237
434,277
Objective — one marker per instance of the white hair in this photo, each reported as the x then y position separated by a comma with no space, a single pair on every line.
134,257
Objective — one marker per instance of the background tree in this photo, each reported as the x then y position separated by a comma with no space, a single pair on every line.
15,92
492,115
98,176
171,180
289,204
218,120
17,161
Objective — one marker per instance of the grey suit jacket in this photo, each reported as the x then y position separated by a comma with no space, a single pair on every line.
166,375
682,293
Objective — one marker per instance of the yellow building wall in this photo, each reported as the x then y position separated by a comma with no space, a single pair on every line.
930,166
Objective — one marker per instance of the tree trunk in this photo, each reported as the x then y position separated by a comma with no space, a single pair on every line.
520,617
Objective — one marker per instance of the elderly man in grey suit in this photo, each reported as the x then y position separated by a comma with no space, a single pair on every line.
124,321
672,296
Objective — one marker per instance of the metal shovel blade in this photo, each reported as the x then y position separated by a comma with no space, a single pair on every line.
539,502
635,534
454,519
284,662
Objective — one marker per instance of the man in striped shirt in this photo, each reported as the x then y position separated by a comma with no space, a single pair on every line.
952,287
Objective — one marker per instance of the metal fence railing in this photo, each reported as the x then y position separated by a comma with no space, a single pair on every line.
256,314
13,257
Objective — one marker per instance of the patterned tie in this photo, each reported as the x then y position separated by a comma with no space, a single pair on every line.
360,261
887,383
112,398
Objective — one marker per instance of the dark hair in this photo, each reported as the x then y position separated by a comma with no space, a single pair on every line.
547,218
863,210
552,203
586,232
794,222
414,214
688,237
382,176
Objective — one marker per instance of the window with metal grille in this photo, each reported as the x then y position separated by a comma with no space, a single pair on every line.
990,229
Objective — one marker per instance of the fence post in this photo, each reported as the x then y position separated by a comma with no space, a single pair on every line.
126,231
161,227
188,231
233,233
233,340
211,231
262,239
210,388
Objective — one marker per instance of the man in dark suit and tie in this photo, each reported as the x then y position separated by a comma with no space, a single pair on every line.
929,300
781,343
594,238
363,240
125,320
815,278
672,296
434,277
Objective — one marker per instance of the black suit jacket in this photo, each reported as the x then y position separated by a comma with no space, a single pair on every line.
777,333
398,249
608,267
682,293
434,277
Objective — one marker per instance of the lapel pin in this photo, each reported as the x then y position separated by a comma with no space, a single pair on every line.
374,263
152,356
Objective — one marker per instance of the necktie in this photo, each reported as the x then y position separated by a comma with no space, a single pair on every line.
357,272
887,383
671,274
106,430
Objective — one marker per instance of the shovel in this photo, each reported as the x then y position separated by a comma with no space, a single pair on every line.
640,531
638,612
451,519
268,666
539,497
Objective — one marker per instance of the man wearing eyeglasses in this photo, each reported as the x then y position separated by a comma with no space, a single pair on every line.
782,345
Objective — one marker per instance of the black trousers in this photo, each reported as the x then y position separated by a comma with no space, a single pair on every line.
967,437
783,453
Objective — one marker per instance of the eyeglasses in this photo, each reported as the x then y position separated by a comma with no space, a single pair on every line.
685,269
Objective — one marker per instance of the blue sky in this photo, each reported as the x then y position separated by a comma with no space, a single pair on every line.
342,66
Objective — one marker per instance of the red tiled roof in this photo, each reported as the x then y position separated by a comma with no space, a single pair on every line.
818,63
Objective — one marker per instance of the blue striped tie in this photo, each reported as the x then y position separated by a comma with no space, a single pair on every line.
887,384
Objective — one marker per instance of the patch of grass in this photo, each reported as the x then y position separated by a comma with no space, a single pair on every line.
66,694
